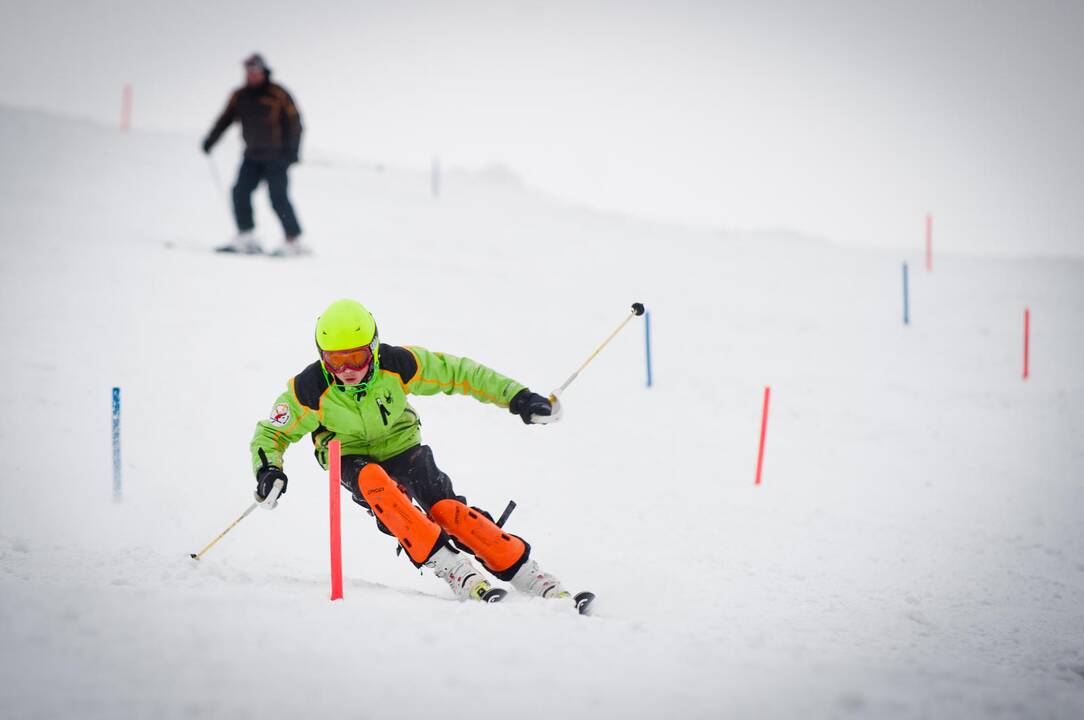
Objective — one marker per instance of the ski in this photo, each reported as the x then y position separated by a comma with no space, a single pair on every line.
583,602
232,250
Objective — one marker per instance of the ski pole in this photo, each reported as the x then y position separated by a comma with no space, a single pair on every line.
219,188
214,174
556,411
637,309
275,492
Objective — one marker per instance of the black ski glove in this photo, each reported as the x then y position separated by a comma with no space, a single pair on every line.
266,477
526,403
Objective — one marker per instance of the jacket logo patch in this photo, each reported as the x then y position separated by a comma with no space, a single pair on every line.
280,414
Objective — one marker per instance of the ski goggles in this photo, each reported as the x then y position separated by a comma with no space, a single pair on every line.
357,359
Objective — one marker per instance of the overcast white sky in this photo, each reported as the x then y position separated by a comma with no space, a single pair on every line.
843,119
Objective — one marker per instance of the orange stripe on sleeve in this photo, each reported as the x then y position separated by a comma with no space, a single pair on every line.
467,387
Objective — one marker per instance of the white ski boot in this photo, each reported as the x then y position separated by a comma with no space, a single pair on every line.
531,580
291,247
244,243
465,580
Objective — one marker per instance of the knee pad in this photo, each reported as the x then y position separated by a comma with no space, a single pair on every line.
501,553
418,535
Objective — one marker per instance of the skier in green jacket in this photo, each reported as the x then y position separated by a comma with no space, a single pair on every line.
357,393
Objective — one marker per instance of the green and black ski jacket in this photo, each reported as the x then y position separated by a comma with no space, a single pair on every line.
377,422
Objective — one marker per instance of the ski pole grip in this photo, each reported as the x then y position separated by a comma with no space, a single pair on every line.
272,500
556,411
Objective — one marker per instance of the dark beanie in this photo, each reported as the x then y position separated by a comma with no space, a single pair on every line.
255,60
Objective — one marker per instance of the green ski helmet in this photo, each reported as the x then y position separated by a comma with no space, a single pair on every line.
347,325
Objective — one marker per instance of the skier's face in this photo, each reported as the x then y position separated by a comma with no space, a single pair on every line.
350,376
254,75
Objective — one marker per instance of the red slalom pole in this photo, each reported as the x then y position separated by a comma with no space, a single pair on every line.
763,432
1027,339
334,475
929,241
126,108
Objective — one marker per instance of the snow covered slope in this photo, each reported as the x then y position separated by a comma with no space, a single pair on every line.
915,550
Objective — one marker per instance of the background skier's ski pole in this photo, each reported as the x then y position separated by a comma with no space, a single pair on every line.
214,174
274,492
220,189
637,309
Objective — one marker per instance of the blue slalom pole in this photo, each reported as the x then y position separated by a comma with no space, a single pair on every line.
647,344
116,444
906,309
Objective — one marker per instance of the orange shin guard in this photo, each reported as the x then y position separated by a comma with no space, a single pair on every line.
416,533
500,552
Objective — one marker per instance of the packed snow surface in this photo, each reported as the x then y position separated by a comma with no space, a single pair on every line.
916,548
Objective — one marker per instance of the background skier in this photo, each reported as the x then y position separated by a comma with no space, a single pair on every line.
356,392
271,128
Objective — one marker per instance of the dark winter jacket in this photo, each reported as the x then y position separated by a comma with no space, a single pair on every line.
270,123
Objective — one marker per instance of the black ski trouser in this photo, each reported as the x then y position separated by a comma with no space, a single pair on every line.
248,178
414,469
